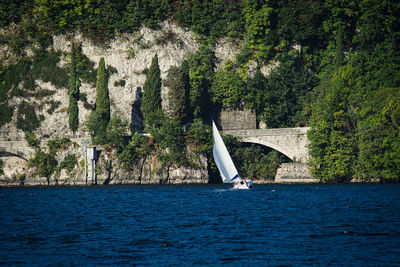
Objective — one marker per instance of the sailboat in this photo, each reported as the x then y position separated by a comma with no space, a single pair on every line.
225,165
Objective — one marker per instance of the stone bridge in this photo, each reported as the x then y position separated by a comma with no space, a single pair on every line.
19,149
22,150
291,142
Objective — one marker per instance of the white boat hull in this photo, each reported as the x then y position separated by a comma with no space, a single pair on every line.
243,184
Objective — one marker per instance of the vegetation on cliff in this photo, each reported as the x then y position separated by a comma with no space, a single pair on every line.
151,103
73,84
98,120
333,65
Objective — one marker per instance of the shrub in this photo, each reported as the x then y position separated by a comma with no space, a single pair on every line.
45,164
53,106
119,83
131,54
57,144
68,163
116,130
32,140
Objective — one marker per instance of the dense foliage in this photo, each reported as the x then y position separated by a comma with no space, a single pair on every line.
44,163
178,94
332,65
68,163
74,84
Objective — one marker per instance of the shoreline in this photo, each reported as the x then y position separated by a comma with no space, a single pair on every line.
14,185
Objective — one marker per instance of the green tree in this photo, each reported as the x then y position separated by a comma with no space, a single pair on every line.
302,23
136,153
178,94
99,119
201,75
97,127
74,84
376,22
45,164
286,93
68,163
342,17
333,143
171,143
258,21
102,94
339,48
256,87
378,136
151,104
73,113
116,131
228,89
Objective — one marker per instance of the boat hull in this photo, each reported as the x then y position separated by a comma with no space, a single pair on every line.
243,184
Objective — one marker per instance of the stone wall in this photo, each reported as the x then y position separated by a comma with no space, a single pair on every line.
237,119
294,173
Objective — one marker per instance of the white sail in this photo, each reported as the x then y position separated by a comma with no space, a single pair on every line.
222,158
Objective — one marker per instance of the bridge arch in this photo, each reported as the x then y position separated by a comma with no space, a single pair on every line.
269,145
19,149
292,142
17,154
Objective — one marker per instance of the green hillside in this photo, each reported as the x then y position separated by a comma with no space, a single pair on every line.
338,70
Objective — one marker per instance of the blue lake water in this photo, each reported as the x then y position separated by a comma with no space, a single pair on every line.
357,225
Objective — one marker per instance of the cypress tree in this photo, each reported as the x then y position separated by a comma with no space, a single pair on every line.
151,104
99,119
102,94
73,85
177,94
73,113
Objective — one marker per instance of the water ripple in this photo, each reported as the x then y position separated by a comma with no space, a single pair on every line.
355,225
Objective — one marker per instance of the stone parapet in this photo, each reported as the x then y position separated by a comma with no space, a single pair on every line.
294,173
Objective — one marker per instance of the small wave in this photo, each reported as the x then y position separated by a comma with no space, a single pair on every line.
224,190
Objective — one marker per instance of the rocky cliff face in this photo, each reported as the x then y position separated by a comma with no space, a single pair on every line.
129,55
